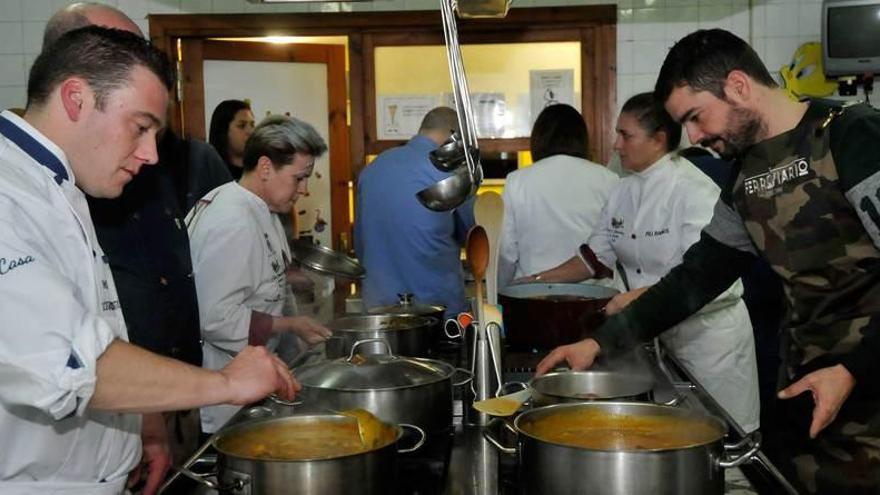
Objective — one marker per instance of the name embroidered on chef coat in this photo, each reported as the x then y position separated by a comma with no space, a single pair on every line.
767,183
7,265
656,233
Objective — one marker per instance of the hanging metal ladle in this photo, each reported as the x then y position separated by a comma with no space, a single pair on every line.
461,153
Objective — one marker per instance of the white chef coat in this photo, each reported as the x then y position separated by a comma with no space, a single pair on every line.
651,218
239,256
58,313
549,209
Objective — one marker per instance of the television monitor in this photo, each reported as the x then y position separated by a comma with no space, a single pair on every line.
850,37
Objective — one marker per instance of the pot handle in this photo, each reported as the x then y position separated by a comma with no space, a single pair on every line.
467,373
487,434
368,341
729,460
422,437
278,400
198,478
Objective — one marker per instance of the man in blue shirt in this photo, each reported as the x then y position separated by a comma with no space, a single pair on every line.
405,247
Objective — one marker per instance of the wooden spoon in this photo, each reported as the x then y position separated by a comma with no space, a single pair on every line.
505,405
477,250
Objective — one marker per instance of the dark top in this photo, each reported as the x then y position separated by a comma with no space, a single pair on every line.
144,236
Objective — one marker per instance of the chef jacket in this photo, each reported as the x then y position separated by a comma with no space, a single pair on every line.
557,199
239,256
650,220
58,313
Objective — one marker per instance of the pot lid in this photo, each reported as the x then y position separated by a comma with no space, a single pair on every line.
407,305
324,260
373,372
381,322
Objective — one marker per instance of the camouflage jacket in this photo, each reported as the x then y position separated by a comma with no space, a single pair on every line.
807,201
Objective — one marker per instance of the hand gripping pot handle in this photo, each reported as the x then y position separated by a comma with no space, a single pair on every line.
729,460
487,434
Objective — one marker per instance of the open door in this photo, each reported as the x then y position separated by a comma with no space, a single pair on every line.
306,81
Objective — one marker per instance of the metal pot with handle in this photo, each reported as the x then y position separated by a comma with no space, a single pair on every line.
544,316
407,306
396,389
408,335
307,453
622,448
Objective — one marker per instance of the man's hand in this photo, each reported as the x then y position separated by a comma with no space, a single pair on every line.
309,329
830,388
156,456
255,373
622,300
579,355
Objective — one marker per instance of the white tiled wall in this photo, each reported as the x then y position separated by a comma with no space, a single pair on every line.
646,28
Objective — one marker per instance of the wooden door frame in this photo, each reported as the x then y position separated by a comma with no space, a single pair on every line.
594,25
196,51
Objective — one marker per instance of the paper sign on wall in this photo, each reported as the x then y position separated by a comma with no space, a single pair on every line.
549,87
399,117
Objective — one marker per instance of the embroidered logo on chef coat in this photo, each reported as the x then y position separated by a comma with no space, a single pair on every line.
7,265
616,223
771,181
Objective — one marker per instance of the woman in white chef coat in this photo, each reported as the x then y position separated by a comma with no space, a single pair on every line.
559,197
240,252
652,217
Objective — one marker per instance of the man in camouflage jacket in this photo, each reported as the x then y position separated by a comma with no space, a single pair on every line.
805,197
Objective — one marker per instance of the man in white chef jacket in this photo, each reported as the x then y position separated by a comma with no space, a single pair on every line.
71,387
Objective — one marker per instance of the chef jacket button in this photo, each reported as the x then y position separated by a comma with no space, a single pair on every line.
633,236
163,280
638,270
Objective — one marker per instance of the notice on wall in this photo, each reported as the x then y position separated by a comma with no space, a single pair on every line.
399,116
549,87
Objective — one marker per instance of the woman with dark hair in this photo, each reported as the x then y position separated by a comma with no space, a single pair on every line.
231,124
652,217
559,197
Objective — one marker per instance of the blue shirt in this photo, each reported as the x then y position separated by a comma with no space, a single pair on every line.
404,246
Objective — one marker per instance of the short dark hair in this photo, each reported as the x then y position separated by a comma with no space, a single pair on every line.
559,130
218,133
653,118
279,138
440,119
703,60
102,56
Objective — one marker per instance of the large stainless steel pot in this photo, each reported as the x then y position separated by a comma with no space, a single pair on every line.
547,466
544,316
406,305
408,335
396,389
370,472
579,386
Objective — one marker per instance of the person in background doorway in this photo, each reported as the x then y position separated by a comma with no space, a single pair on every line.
73,390
404,246
231,124
240,253
651,218
559,197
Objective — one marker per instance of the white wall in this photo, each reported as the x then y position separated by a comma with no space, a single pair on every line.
646,28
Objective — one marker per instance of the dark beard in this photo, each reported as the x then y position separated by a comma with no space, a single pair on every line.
745,128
